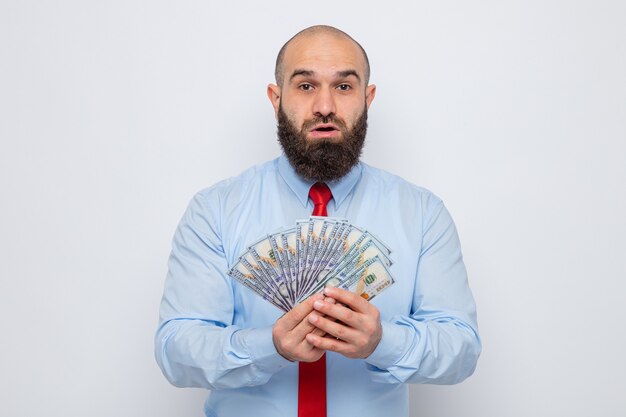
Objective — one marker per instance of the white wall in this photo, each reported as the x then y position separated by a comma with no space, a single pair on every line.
114,113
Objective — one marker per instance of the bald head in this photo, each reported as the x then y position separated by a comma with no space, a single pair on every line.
319,30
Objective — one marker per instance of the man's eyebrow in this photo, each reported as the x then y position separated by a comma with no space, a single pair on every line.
338,74
303,72
347,73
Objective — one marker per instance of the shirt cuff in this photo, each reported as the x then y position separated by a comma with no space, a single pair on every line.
260,347
389,349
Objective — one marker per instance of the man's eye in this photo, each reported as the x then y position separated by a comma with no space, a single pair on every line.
344,87
306,87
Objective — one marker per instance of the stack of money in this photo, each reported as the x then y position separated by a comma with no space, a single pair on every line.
289,266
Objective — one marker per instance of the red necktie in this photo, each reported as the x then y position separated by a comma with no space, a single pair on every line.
312,375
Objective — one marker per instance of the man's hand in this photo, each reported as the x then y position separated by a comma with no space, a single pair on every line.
289,333
352,324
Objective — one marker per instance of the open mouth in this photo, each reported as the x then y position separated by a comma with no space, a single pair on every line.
325,128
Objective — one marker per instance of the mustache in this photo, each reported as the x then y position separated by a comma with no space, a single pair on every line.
331,118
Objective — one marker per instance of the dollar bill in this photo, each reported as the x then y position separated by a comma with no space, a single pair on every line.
295,262
252,282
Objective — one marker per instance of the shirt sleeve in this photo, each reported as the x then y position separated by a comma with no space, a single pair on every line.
438,342
196,344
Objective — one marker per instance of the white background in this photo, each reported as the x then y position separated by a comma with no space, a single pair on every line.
113,114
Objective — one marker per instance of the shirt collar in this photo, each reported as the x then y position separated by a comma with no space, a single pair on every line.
300,186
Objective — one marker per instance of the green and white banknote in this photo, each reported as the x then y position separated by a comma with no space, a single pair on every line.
294,263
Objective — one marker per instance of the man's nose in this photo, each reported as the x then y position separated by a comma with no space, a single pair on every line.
324,104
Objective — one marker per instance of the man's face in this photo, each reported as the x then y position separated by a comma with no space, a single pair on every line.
322,105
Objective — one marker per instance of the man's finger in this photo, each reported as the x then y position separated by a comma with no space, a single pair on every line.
334,328
329,343
294,317
355,302
320,332
305,326
339,312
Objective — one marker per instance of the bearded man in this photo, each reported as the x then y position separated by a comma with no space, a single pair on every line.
335,353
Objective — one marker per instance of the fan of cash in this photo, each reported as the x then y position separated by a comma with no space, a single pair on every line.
289,266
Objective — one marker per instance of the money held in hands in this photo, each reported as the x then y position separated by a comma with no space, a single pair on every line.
289,266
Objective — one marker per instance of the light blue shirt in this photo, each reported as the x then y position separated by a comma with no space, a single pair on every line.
217,334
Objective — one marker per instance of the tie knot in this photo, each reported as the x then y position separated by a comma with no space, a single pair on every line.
320,194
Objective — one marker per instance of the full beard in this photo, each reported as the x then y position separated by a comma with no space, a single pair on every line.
322,160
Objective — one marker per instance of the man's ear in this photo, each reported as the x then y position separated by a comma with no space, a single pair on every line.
273,93
370,93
